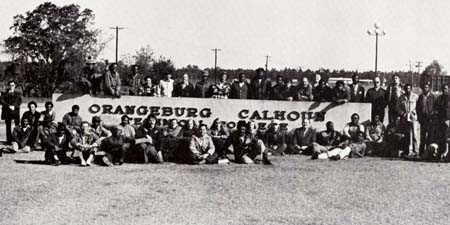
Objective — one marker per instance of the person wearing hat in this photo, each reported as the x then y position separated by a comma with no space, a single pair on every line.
202,88
72,120
115,147
85,144
99,129
246,146
56,145
275,138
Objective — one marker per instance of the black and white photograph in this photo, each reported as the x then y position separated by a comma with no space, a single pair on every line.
215,112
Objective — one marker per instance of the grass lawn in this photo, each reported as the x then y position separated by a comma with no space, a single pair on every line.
295,190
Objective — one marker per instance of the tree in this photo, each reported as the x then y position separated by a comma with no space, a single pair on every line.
433,70
57,40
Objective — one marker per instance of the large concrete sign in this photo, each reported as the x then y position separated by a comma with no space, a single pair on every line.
290,114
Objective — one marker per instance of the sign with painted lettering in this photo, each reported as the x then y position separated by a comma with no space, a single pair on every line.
205,110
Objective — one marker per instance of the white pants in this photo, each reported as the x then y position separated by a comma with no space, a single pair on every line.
343,153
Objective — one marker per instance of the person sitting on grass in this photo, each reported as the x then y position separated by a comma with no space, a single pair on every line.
169,141
145,149
72,120
246,146
47,128
20,137
275,138
375,136
347,149
303,138
115,147
99,130
352,128
85,145
433,153
396,139
127,129
202,150
33,116
56,146
219,135
326,140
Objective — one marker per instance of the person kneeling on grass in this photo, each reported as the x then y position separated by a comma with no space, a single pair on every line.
353,149
246,146
85,145
20,137
202,150
56,146
115,147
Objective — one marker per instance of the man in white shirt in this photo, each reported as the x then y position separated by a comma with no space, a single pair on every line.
165,86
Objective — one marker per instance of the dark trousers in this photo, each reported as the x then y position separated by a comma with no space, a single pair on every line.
425,128
377,110
144,153
116,155
51,152
393,114
8,122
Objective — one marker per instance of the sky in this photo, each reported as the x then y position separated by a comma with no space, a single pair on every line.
295,33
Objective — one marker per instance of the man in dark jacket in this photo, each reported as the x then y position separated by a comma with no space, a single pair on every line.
202,88
303,138
356,90
10,101
279,91
240,88
183,88
425,110
259,86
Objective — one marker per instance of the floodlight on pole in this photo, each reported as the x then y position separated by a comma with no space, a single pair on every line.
377,31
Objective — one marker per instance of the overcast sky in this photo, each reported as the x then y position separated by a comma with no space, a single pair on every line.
311,34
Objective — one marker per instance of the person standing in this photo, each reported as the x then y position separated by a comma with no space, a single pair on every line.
443,117
393,93
202,88
339,94
240,88
303,91
259,86
183,88
356,90
221,89
279,90
112,82
10,101
406,107
135,82
165,86
376,96
322,92
425,111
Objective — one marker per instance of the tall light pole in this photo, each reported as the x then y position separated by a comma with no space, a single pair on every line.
376,32
117,28
267,61
215,62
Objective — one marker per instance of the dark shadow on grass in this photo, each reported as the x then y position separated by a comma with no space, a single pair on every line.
35,162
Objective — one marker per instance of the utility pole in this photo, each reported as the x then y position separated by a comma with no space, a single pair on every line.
411,70
117,28
376,32
418,65
267,62
215,62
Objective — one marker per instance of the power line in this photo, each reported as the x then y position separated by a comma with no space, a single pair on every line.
117,28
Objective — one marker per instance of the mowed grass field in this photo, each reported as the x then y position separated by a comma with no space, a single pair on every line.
295,190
